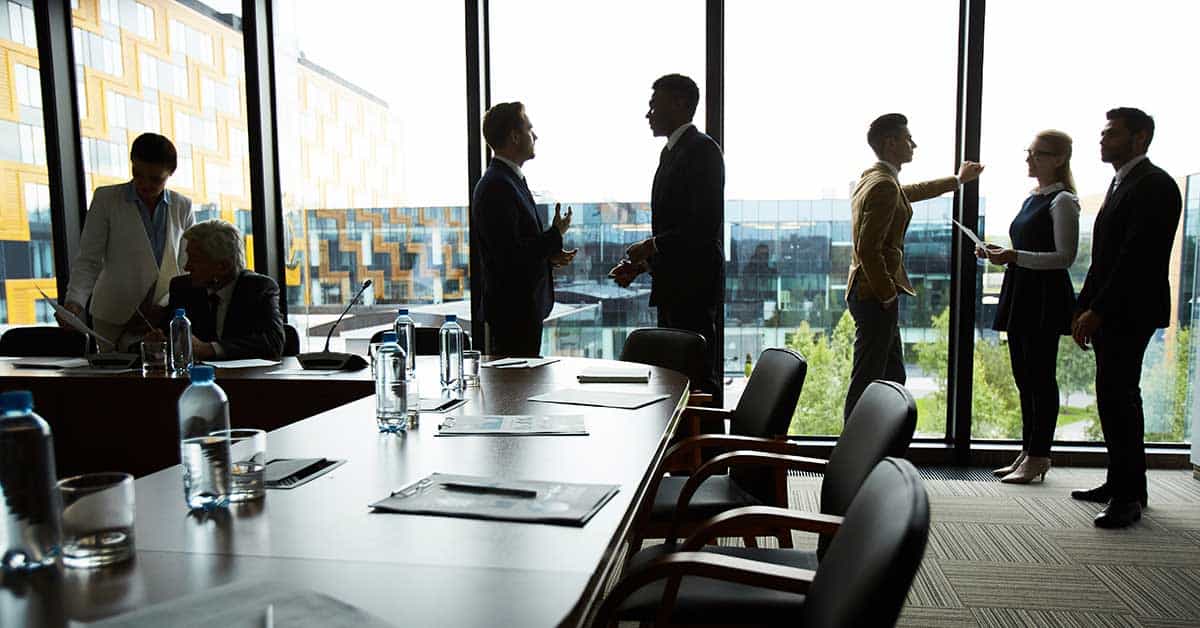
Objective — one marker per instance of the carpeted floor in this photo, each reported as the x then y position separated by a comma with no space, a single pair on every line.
1005,556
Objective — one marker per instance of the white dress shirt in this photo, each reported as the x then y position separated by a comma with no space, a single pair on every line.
1124,170
1064,211
511,164
673,138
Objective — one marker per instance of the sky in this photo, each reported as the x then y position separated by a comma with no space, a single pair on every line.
803,82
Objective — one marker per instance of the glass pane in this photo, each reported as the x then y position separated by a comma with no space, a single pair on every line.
26,242
1101,77
586,92
135,77
371,113
795,145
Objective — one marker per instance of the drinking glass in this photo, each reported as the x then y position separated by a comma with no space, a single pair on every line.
154,356
97,519
471,368
248,456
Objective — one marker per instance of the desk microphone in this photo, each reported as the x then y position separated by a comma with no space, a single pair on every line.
331,360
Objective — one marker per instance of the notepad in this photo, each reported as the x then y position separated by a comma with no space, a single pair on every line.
49,363
513,425
601,398
241,364
520,363
631,374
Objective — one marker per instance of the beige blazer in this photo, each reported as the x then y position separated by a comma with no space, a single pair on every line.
115,265
880,211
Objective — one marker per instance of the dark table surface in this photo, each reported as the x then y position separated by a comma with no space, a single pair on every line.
408,569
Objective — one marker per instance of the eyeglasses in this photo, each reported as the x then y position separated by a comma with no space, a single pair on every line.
1038,153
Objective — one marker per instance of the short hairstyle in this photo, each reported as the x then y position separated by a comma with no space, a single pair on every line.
219,240
500,121
153,148
1135,120
885,126
681,86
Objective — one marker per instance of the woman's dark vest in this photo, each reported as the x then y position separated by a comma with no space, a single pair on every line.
1031,300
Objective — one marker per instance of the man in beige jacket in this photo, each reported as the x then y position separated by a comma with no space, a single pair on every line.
880,212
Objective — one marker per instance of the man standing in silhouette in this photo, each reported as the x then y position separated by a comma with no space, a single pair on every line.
516,249
880,212
1125,298
685,254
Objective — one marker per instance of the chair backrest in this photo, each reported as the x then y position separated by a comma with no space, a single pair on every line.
765,410
427,339
675,349
881,424
291,340
865,577
45,341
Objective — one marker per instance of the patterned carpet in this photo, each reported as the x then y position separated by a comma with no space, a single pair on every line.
1004,556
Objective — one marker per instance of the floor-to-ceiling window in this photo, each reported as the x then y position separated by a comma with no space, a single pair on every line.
803,82
584,72
1062,65
371,113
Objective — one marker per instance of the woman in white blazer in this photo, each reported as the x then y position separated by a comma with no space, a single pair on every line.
130,247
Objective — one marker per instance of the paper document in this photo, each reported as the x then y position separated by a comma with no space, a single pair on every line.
601,398
971,234
513,425
504,362
241,364
72,320
632,374
530,363
49,363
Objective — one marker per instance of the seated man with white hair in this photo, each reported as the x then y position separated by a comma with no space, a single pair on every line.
234,312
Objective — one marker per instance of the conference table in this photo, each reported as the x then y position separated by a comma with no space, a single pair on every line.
409,570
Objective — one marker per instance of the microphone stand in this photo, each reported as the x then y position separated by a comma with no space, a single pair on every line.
332,360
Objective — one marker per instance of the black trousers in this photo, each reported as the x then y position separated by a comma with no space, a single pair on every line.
878,351
1034,359
516,339
1119,354
701,319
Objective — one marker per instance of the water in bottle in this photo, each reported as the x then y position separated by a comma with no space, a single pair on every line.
450,341
203,415
181,342
31,536
391,386
406,337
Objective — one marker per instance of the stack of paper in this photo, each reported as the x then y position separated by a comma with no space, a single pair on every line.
601,398
631,374
519,363
513,425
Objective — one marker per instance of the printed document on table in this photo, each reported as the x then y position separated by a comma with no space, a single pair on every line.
631,374
513,425
241,364
601,398
72,320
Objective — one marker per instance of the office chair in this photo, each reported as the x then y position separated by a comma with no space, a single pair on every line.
676,349
427,340
291,340
45,341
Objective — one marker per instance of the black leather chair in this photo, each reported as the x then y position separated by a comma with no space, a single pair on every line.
881,425
862,581
427,340
45,341
291,340
764,412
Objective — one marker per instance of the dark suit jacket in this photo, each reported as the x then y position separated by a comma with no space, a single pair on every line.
253,324
687,209
514,248
1131,251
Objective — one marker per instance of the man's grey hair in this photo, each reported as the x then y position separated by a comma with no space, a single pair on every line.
219,240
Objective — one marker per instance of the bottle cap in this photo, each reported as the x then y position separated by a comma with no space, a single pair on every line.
180,313
389,336
202,373
403,312
451,318
16,401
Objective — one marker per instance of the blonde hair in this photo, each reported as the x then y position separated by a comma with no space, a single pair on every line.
1060,145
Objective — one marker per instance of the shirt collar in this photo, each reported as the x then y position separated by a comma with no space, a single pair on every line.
673,139
511,164
131,195
1124,171
1053,187
226,291
893,170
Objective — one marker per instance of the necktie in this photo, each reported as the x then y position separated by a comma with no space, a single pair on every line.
214,305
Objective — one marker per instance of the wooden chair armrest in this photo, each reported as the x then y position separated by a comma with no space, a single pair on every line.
676,565
734,522
723,463
729,442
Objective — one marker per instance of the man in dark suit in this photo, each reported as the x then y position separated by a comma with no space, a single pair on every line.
517,251
234,312
1125,298
685,253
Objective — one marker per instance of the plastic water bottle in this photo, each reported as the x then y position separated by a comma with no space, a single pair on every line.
181,342
203,411
31,536
406,337
391,386
450,341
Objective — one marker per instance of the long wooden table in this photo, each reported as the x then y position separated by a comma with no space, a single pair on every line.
129,422
409,570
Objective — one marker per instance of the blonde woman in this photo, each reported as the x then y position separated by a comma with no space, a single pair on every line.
1037,298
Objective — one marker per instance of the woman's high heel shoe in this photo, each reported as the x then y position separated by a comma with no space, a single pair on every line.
1030,468
1003,471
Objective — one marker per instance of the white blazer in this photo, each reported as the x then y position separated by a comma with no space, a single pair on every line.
115,265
